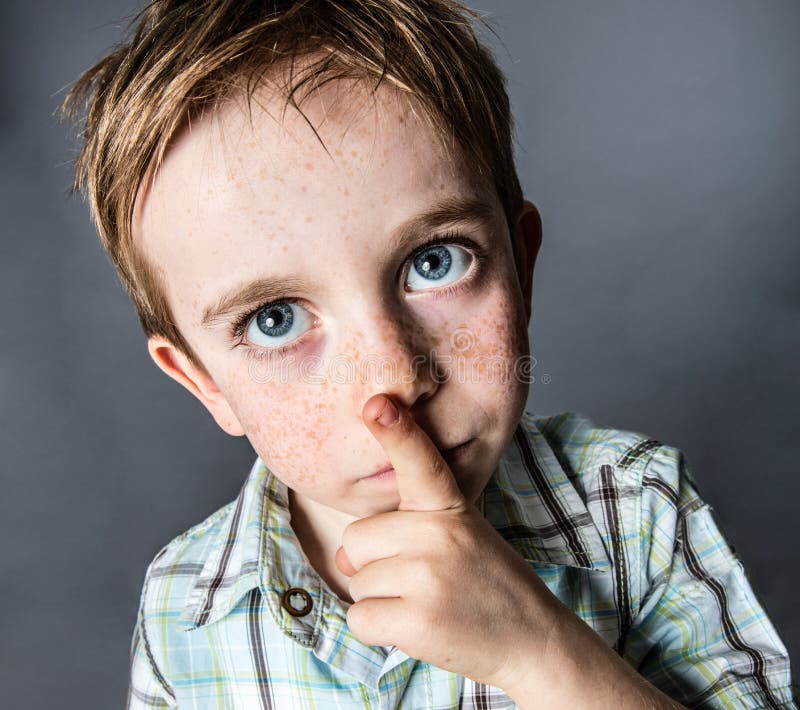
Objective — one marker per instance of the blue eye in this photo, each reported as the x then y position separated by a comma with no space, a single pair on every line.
278,323
438,265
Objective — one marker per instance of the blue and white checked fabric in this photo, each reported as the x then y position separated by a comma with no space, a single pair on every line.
610,520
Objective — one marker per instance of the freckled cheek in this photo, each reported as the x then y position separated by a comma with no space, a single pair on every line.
292,428
489,352
489,327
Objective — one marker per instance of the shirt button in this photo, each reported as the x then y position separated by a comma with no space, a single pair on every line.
297,601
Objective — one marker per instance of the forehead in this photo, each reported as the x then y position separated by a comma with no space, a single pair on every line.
256,187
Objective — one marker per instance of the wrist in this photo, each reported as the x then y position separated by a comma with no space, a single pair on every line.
530,659
576,668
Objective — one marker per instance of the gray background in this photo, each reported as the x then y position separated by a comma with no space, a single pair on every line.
660,142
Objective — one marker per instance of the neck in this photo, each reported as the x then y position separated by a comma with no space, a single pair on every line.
319,530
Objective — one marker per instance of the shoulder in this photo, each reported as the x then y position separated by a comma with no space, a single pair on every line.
175,568
185,555
191,546
167,581
641,484
660,471
583,447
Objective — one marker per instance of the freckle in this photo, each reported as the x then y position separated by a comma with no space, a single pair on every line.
309,166
304,188
263,172
353,153
346,192
285,248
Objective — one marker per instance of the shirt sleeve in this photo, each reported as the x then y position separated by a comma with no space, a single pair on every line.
700,635
147,687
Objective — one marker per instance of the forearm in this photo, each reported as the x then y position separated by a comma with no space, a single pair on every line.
580,670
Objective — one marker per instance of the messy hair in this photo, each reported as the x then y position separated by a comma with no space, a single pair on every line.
182,57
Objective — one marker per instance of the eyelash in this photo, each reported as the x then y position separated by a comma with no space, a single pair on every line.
478,255
241,322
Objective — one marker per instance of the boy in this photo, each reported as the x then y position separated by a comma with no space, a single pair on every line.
315,209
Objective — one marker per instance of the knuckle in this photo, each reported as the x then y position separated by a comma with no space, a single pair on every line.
354,588
363,622
428,578
430,617
460,534
444,536
355,619
350,535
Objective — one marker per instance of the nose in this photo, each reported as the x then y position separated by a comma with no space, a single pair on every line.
395,357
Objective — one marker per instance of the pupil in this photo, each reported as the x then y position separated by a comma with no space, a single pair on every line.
276,320
433,263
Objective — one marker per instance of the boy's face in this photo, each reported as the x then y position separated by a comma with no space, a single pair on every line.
258,201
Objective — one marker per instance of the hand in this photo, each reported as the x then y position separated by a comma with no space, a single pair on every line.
434,578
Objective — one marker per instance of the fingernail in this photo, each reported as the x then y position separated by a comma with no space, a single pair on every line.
389,414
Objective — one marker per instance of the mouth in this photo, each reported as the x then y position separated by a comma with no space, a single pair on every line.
450,455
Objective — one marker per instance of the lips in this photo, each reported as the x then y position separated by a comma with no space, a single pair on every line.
447,453
383,469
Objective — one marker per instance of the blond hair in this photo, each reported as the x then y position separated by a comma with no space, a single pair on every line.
182,57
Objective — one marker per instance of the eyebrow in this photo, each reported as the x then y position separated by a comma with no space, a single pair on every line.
449,211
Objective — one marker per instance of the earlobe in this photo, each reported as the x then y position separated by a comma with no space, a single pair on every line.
177,366
527,239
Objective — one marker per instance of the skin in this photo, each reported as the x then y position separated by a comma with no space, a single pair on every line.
239,198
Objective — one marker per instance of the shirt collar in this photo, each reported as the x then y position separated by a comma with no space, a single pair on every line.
529,500
233,565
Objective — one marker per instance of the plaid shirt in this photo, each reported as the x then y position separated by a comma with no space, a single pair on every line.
232,615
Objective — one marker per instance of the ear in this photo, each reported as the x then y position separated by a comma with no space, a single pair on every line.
175,364
526,240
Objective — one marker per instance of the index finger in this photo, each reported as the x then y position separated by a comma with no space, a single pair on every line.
424,479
